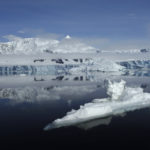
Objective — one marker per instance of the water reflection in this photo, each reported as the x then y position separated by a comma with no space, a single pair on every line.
35,87
94,123
20,87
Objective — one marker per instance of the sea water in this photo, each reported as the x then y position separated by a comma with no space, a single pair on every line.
98,106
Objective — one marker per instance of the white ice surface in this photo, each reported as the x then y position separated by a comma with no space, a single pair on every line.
98,64
18,45
29,51
121,99
65,45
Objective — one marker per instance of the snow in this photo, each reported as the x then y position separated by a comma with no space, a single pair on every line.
135,64
115,90
68,37
121,99
67,44
29,51
18,45
98,64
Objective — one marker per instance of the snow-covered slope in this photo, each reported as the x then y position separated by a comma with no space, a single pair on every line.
127,50
68,51
18,45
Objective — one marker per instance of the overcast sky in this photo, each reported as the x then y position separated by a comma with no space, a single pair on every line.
106,19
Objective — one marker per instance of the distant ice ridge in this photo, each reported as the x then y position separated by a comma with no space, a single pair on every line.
54,69
120,99
99,64
31,70
144,50
18,45
135,64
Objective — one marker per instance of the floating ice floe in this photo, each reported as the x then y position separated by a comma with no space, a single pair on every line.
120,99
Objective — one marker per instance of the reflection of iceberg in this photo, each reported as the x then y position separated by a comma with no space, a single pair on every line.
93,123
121,99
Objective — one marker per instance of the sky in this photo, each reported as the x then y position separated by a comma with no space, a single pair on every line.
107,21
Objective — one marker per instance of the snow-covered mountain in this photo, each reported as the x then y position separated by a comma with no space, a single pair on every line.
37,45
18,45
21,54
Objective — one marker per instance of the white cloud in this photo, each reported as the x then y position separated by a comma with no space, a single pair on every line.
118,44
132,15
40,33
11,37
148,29
21,31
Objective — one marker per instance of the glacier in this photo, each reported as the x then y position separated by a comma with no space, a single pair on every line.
16,45
134,68
32,55
20,45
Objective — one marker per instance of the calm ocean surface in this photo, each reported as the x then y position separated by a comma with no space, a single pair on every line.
30,102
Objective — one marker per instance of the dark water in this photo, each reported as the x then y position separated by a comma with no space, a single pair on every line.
28,105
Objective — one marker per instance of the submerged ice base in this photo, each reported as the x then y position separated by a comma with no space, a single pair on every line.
121,99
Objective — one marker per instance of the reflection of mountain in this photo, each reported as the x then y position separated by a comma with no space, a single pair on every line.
23,88
80,78
49,93
121,99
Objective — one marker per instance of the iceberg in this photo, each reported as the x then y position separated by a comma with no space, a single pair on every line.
121,99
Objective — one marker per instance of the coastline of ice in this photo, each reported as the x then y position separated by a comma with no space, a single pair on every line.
99,65
41,51
120,99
